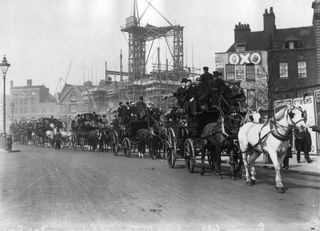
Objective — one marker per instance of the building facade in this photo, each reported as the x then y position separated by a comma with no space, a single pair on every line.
31,102
290,61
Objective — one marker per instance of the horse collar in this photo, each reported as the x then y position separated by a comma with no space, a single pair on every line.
277,135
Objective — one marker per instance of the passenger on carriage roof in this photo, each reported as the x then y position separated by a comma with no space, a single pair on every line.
206,77
202,95
179,95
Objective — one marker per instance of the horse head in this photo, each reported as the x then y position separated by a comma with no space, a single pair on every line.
296,118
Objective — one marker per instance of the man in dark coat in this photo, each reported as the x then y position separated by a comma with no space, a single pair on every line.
179,95
303,143
202,95
189,98
216,86
206,77
141,107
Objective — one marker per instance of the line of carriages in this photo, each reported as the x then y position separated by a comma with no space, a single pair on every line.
207,134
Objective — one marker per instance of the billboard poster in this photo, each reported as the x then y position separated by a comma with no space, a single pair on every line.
317,112
240,72
279,104
307,103
245,58
219,60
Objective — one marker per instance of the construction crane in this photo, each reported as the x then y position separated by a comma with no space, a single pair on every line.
139,35
59,85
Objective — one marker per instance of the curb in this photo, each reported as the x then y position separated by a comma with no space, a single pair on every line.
4,150
291,170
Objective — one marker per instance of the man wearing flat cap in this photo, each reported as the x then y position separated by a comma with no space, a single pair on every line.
206,77
141,107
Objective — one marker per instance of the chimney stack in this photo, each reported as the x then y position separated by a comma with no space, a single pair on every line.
29,82
269,26
240,30
316,26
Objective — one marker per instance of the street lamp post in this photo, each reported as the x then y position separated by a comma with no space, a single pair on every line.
4,67
12,106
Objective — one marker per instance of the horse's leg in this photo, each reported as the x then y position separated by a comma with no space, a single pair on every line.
232,163
252,159
245,156
276,165
203,155
217,155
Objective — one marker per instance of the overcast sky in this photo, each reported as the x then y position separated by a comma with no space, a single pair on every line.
41,38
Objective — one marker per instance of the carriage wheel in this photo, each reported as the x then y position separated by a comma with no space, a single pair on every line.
126,146
190,155
171,149
81,140
114,143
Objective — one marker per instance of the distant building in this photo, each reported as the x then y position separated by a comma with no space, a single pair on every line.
31,102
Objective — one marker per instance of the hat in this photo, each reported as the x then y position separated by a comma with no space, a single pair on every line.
205,68
141,97
188,80
120,103
215,74
198,79
184,80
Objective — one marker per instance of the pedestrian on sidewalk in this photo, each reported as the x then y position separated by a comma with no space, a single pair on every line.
303,143
289,153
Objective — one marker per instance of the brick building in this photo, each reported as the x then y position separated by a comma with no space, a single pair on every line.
31,102
290,62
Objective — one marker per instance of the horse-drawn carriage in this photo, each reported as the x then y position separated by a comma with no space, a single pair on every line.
85,131
212,133
137,134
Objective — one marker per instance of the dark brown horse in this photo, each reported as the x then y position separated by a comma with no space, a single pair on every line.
221,137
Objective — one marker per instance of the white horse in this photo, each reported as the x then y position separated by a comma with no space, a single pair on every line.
272,137
66,136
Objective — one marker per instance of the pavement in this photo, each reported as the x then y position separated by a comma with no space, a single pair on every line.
303,167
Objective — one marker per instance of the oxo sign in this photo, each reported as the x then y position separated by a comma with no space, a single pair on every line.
244,58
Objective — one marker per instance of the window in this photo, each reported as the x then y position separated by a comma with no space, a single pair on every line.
251,98
283,69
240,48
302,69
230,71
250,73
292,45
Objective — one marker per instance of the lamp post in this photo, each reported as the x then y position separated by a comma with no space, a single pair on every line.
12,106
4,67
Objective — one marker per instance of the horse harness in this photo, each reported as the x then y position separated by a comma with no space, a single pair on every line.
274,131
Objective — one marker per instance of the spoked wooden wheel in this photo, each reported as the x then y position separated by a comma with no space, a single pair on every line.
114,143
126,146
171,148
190,155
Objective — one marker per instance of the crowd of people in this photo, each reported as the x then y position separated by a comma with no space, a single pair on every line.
197,97
131,112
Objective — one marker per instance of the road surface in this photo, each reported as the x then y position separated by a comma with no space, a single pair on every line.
50,190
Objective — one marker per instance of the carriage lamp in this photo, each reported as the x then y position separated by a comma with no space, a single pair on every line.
4,67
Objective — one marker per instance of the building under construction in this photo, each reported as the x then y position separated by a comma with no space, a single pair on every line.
136,82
